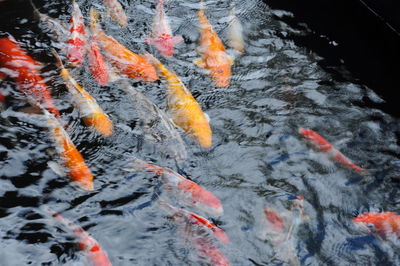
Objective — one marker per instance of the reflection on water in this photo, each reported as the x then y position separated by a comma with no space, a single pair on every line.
258,159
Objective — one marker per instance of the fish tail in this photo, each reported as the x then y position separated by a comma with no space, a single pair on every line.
35,10
58,58
136,164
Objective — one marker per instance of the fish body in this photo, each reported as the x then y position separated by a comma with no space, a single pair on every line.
383,223
156,125
208,250
191,193
161,36
185,217
124,60
323,145
75,165
91,113
93,251
77,41
57,30
97,65
23,69
214,57
235,32
116,12
185,110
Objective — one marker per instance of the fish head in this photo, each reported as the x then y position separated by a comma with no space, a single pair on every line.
308,134
377,222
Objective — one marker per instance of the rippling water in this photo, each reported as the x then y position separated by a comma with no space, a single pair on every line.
257,159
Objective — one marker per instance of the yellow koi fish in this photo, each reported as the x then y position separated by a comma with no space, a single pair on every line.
92,114
186,111
214,57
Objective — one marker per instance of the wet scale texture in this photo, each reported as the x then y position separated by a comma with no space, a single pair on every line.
257,159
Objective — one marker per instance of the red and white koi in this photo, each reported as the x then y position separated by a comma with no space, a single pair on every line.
116,12
77,42
97,65
324,146
161,36
209,250
385,224
188,191
182,216
94,253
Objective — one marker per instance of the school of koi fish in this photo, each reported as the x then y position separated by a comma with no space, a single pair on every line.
84,44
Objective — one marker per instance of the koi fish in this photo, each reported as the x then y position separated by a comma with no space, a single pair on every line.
186,111
116,12
161,36
56,29
92,114
214,57
324,146
190,192
126,61
156,125
76,168
383,223
93,251
182,216
235,32
209,250
77,42
97,65
24,71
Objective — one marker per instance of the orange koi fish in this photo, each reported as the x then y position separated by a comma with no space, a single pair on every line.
126,61
94,253
186,111
77,41
235,32
183,216
76,168
24,71
116,12
97,65
383,223
161,36
191,193
92,114
214,57
324,146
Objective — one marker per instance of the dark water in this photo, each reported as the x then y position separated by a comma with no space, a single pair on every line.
257,159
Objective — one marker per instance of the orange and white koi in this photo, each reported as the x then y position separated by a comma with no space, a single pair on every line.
77,42
182,216
161,36
91,113
124,60
235,32
23,69
94,253
188,191
383,223
71,158
185,110
97,65
323,145
116,12
214,57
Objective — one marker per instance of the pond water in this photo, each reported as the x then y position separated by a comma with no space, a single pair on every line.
257,160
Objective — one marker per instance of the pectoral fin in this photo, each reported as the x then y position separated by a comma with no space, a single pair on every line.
200,62
59,170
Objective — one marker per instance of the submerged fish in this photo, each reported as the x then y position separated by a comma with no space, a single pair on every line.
97,65
15,63
186,111
94,253
382,223
185,217
161,36
214,57
116,12
124,60
188,191
77,41
56,29
156,125
91,113
324,146
235,32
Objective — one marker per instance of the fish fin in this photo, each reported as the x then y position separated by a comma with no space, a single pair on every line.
59,170
207,117
35,10
149,40
58,58
231,60
199,62
176,39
